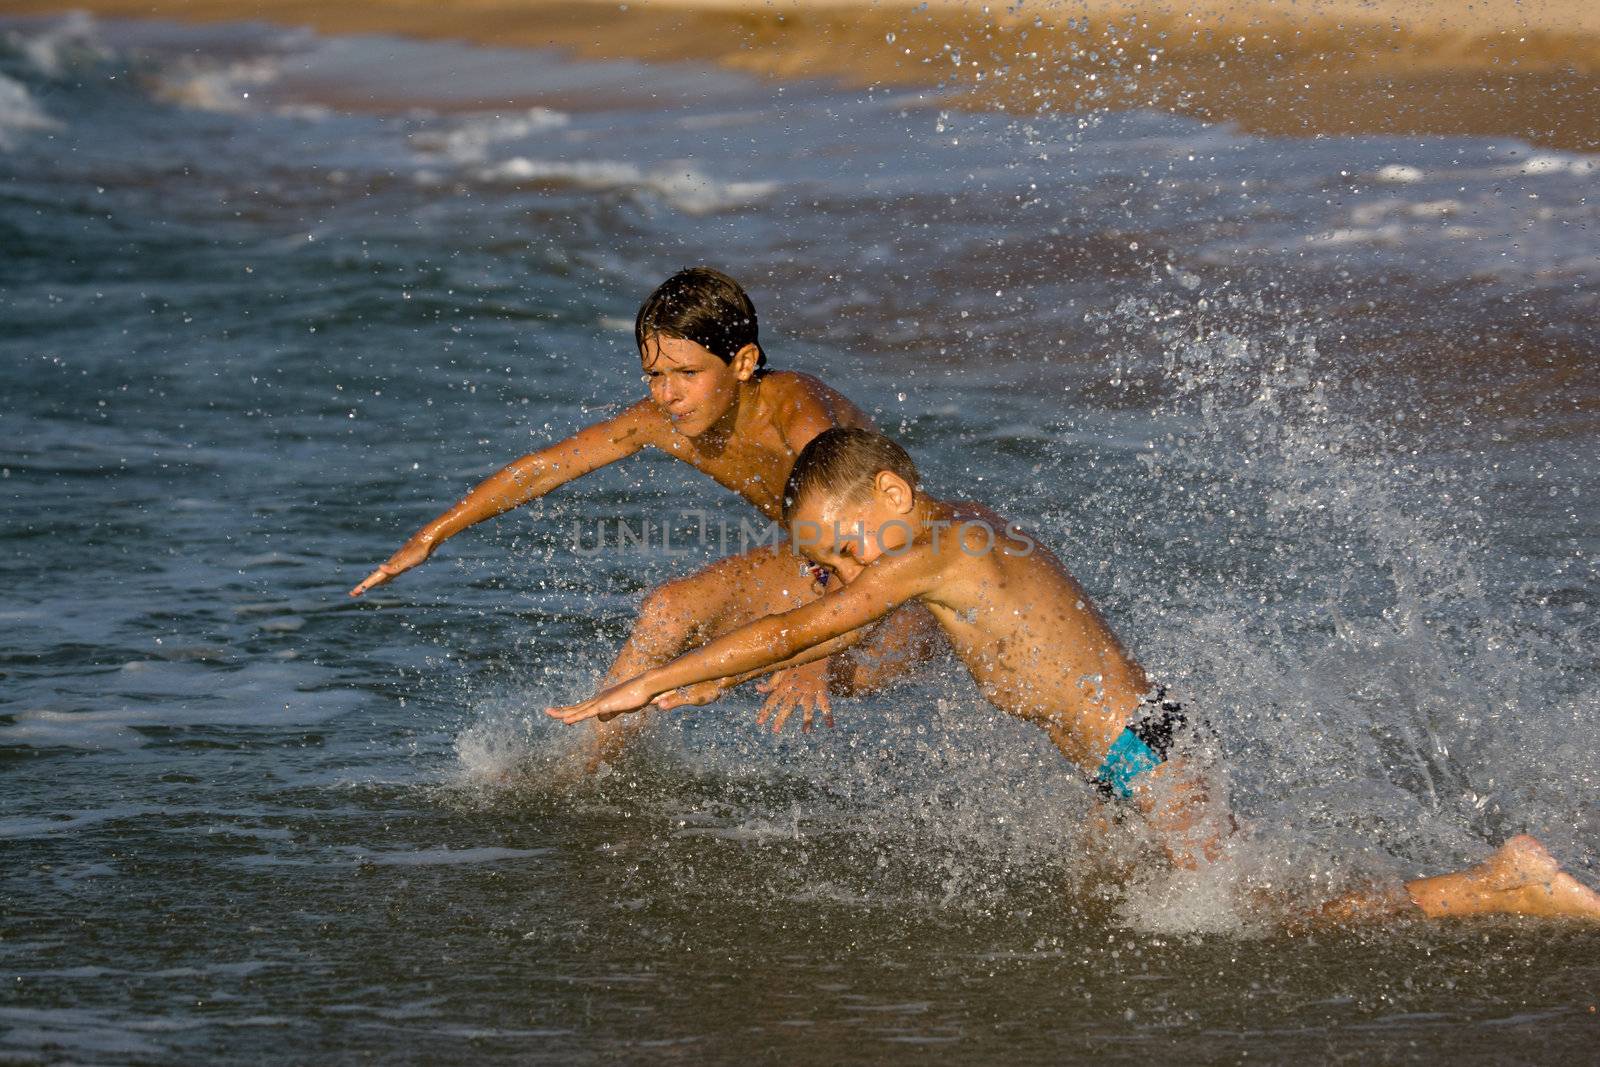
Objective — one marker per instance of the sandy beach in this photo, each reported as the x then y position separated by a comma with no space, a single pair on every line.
1496,67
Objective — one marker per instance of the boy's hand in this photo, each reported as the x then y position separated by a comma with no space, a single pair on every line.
413,552
629,696
696,695
804,687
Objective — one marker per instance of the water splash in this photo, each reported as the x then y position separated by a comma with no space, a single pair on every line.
1329,592
1299,566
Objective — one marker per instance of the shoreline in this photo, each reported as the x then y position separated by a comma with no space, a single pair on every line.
1275,67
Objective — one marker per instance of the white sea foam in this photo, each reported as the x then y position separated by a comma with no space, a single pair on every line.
1399,174
161,694
597,173
44,728
469,142
19,112
53,51
1436,209
1545,164
224,89
682,185
1538,166
1377,211
1353,235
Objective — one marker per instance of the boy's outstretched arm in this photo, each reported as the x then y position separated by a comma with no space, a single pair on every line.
810,632
520,481
780,702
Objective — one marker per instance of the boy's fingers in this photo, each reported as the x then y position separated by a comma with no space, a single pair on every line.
569,715
783,716
377,577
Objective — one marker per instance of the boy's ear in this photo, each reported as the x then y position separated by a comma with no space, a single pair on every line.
745,361
895,490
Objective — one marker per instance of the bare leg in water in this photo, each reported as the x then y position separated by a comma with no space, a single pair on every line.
690,611
1520,878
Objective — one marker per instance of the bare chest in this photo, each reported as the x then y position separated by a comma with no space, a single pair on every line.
756,469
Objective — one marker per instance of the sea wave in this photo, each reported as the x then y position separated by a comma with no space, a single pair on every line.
19,112
469,141
209,88
682,185
61,45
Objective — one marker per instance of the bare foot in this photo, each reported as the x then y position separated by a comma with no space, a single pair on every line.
1521,878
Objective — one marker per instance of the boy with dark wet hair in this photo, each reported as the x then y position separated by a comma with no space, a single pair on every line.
705,306
714,406
1038,649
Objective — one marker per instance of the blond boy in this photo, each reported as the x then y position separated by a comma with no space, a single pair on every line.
1037,648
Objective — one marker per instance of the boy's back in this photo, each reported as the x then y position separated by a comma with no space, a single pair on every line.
1021,623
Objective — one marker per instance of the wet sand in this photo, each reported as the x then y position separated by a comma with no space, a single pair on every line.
1494,67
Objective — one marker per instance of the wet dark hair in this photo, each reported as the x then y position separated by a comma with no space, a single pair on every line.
842,462
702,305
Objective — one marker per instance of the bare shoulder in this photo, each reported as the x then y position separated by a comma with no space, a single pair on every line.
972,513
981,532
804,405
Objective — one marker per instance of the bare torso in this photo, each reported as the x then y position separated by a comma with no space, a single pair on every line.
1030,635
786,410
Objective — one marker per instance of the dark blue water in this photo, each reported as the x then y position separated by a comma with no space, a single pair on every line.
1315,420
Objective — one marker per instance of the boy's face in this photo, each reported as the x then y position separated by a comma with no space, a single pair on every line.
845,533
692,386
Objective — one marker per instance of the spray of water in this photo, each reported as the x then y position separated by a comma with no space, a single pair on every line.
1296,566
1330,596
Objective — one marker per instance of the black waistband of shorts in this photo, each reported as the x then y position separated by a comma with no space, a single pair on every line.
1159,728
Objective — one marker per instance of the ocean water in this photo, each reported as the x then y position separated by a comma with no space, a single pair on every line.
1315,419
